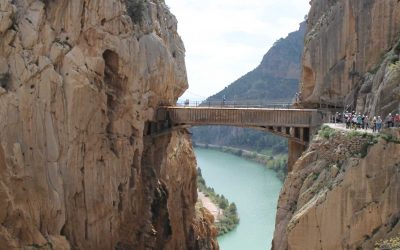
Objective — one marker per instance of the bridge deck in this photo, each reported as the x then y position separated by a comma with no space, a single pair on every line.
244,117
298,125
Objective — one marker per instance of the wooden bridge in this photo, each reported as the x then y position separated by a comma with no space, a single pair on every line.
298,125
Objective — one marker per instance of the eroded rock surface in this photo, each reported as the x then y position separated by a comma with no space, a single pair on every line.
79,83
341,195
351,55
336,199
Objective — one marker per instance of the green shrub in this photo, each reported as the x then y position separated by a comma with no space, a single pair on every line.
395,65
389,138
356,133
136,9
232,208
223,202
393,243
327,132
314,176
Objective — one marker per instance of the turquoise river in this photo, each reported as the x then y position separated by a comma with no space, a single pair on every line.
254,189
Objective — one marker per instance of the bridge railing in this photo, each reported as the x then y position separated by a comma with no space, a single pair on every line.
244,117
236,104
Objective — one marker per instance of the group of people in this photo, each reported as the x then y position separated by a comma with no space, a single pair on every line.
355,120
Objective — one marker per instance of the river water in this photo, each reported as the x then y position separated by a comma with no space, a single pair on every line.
254,189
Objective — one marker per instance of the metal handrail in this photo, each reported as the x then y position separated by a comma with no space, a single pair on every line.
235,104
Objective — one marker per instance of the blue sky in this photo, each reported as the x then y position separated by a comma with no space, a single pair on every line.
225,39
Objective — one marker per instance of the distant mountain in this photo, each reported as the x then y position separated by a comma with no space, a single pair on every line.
275,79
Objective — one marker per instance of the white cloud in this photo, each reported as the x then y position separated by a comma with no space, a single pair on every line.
225,39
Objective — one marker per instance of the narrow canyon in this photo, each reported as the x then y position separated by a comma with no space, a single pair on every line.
80,84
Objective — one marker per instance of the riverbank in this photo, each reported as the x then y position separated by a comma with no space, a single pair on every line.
210,205
278,163
224,212
255,191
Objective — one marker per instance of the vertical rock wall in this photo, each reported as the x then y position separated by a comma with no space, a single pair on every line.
337,199
79,82
349,49
342,194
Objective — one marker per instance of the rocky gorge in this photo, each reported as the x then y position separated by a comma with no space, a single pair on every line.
80,82
343,192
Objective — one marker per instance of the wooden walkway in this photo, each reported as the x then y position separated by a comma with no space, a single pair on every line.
295,124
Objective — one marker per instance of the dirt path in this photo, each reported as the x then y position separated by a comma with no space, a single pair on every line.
207,203
342,126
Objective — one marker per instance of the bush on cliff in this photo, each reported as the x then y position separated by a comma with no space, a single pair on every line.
135,9
327,132
393,243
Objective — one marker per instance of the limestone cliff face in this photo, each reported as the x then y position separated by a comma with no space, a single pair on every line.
335,199
79,84
350,55
341,195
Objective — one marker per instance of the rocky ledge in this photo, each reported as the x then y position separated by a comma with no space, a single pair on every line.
343,193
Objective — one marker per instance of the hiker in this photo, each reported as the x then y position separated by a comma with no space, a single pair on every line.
223,100
348,120
373,123
365,122
379,124
334,118
355,122
389,120
359,121
397,120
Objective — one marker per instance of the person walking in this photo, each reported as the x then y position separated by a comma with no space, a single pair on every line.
397,120
355,121
373,124
297,99
359,120
379,124
389,120
348,120
365,122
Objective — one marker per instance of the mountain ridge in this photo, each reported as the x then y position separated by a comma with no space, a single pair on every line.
275,79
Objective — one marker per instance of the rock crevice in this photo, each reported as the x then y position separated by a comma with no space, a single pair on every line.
349,47
341,201
79,81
